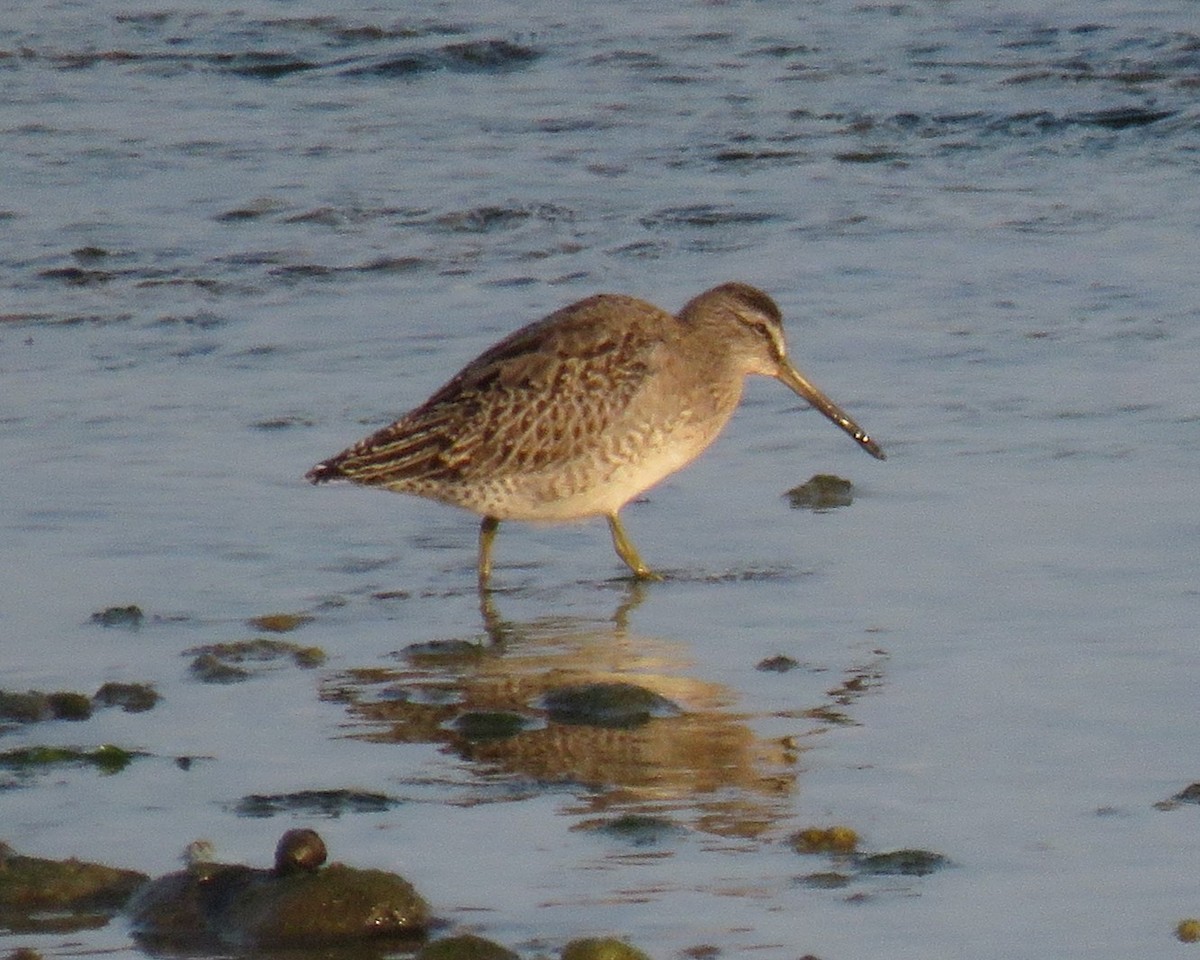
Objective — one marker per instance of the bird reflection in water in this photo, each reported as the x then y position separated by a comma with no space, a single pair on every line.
489,700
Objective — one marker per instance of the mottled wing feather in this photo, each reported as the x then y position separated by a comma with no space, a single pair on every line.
540,397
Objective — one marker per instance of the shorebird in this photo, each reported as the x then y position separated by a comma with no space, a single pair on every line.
578,413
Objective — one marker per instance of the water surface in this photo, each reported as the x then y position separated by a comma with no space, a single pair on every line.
233,241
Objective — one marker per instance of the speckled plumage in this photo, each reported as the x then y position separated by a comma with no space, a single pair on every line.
576,414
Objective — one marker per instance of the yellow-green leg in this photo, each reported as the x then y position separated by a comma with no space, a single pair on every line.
487,536
627,551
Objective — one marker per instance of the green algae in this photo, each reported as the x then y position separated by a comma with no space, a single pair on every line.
108,759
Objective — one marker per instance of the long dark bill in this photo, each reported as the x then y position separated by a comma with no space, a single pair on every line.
792,377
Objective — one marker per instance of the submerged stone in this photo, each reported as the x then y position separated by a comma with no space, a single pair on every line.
606,704
130,616
444,652
490,724
909,863
780,663
326,803
826,880
1189,794
822,491
639,829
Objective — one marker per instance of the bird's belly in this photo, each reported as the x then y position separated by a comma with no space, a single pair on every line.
591,486
597,493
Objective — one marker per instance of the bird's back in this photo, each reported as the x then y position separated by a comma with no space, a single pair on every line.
556,393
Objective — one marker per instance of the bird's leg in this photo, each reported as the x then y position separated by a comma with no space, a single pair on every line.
627,551
487,536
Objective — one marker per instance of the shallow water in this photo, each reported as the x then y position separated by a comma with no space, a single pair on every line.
232,242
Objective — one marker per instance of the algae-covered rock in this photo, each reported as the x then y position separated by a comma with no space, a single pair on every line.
175,909
606,704
297,903
841,842
465,947
75,893
130,616
36,882
336,904
34,705
130,697
28,707
68,705
601,948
